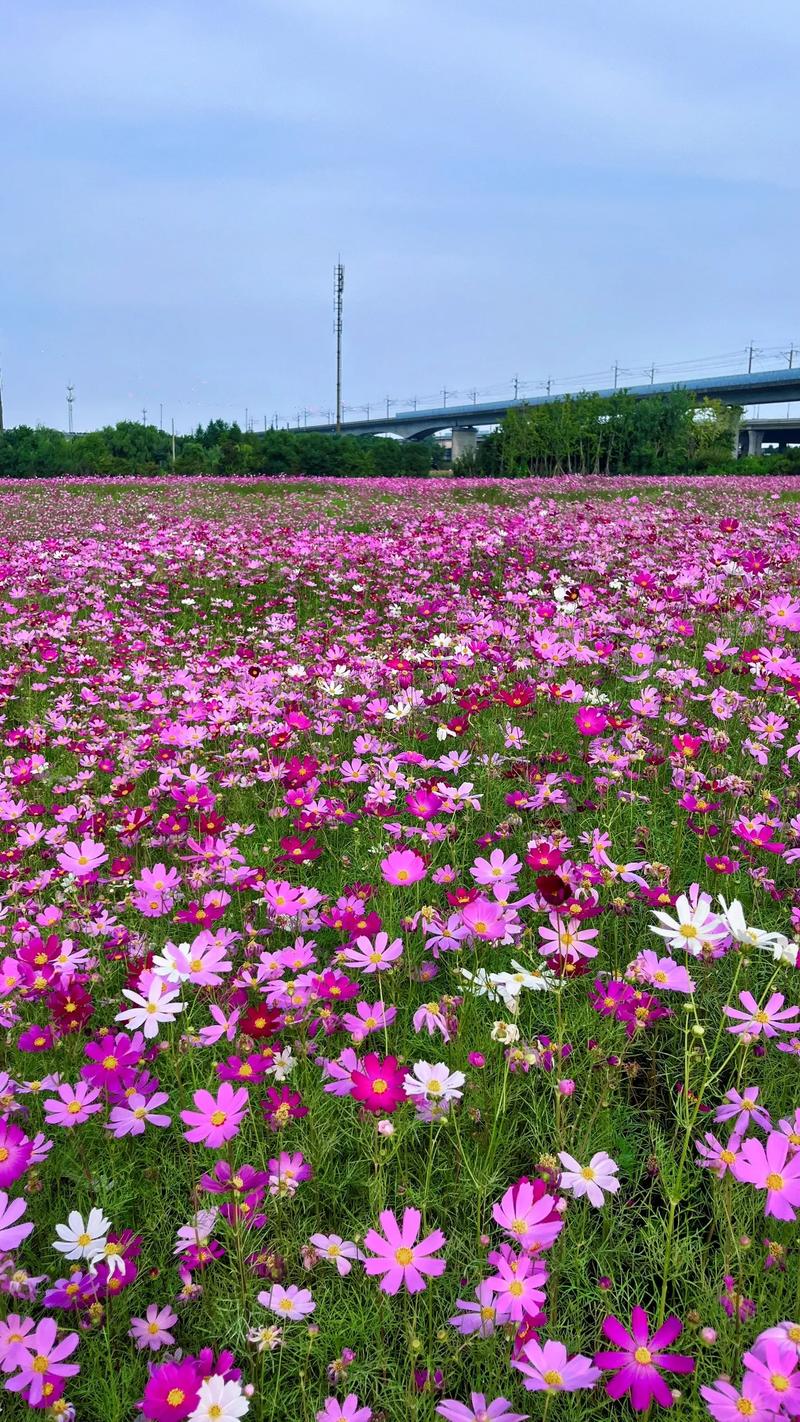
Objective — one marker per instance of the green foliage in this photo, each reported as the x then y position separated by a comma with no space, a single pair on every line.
130,448
585,434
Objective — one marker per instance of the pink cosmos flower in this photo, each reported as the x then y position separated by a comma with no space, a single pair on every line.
770,1019
497,869
661,973
744,1108
548,1368
399,1257
216,1119
591,1180
772,1168
484,919
137,1112
479,1411
726,1404
82,859
641,1360
72,1105
373,957
11,1232
42,1362
528,1214
291,1303
152,1331
478,1316
518,1286
569,940
16,1151
715,1156
346,1411
403,867
776,1365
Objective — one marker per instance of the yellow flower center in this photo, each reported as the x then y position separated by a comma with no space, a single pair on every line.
487,1312
774,1181
779,1381
379,1086
552,1378
587,1173
218,1118
175,1397
728,1156
643,1356
40,1363
402,874
520,1226
688,930
4,1154
745,1406
404,1256
516,1288
110,1063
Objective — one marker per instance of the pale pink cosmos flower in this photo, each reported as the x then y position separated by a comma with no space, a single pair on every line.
152,1331
399,1257
340,1252
216,1119
290,1303
479,1410
743,1109
592,1180
548,1368
497,869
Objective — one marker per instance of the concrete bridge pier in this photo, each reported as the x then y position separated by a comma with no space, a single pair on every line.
465,441
755,439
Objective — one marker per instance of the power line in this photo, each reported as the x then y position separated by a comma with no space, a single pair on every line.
338,303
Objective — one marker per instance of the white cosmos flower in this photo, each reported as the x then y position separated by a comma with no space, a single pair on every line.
434,1081
79,1239
775,943
692,926
219,1401
148,1012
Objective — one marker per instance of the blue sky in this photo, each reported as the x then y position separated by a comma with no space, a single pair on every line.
515,187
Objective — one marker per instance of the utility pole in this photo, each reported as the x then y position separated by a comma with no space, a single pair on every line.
474,394
516,387
652,374
616,373
246,419
791,367
144,416
1,402
388,402
549,384
444,398
173,444
750,360
338,302
70,403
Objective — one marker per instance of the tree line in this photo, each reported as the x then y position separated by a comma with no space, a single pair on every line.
586,434
219,448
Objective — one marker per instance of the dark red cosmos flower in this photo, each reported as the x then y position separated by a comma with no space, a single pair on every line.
260,1021
553,889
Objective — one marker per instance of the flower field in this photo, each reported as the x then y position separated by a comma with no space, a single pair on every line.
399,915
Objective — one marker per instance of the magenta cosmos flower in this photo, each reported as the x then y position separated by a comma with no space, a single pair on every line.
43,1362
378,1084
172,1391
347,1411
480,1410
403,867
399,1257
639,1363
548,1368
217,1118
